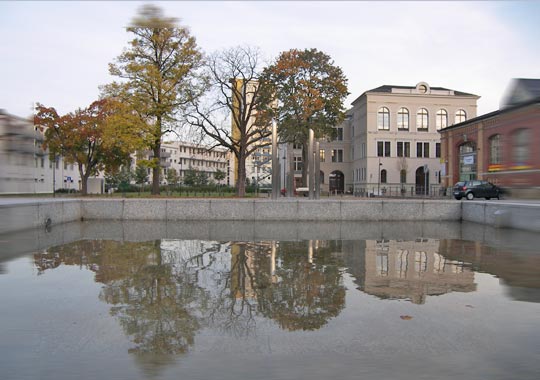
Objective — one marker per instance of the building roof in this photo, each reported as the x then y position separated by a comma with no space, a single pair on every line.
416,90
388,89
493,114
521,90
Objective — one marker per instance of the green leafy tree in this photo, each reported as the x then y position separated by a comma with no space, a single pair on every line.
172,177
159,69
190,177
140,175
98,137
219,175
119,178
234,110
310,91
202,178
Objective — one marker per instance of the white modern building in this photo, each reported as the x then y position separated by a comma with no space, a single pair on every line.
25,168
183,156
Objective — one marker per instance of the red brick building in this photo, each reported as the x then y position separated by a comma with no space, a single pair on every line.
502,147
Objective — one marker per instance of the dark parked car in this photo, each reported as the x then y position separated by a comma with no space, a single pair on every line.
476,189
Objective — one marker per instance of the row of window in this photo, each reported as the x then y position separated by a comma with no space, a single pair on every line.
404,149
209,164
422,119
200,151
520,140
57,163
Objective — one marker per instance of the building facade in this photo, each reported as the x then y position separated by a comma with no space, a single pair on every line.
390,142
25,167
183,156
502,147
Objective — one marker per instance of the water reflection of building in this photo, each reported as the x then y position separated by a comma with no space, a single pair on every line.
516,268
397,269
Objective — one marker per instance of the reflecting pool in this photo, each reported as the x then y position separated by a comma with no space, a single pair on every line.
237,300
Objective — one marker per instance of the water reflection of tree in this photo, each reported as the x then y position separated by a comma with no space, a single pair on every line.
155,299
153,305
307,290
234,306
162,294
299,288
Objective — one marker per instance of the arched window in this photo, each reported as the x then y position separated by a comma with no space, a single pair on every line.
442,119
461,116
520,146
383,176
495,150
403,118
422,120
383,118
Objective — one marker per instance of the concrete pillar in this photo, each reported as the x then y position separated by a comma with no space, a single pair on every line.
275,162
309,163
317,157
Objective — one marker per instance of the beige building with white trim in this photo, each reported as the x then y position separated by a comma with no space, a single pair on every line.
395,129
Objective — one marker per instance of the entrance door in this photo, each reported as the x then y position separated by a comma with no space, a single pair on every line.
422,181
337,182
467,161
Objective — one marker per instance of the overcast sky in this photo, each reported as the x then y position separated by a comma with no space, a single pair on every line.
57,53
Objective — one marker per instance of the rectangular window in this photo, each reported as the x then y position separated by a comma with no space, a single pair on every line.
363,150
297,163
339,134
422,149
42,162
400,149
337,155
321,155
438,150
383,148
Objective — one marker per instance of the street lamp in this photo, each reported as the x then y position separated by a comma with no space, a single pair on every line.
379,183
284,174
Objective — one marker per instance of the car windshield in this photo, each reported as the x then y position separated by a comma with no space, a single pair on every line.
459,184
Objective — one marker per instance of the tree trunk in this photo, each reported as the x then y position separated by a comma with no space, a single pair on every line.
84,184
157,169
241,175
84,180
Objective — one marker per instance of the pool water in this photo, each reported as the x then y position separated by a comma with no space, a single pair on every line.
388,307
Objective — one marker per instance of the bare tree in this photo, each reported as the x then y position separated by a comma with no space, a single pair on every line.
234,111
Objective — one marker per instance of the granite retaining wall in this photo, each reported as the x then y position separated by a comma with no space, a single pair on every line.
20,216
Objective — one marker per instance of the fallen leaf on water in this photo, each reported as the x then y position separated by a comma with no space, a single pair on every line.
405,317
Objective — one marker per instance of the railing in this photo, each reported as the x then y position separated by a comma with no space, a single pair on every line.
403,191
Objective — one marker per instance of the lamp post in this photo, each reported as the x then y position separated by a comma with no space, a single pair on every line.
284,172
379,182
54,176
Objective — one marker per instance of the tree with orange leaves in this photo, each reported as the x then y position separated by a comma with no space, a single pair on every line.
99,136
310,91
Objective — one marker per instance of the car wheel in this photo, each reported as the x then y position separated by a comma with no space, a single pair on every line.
470,196
458,198
488,198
